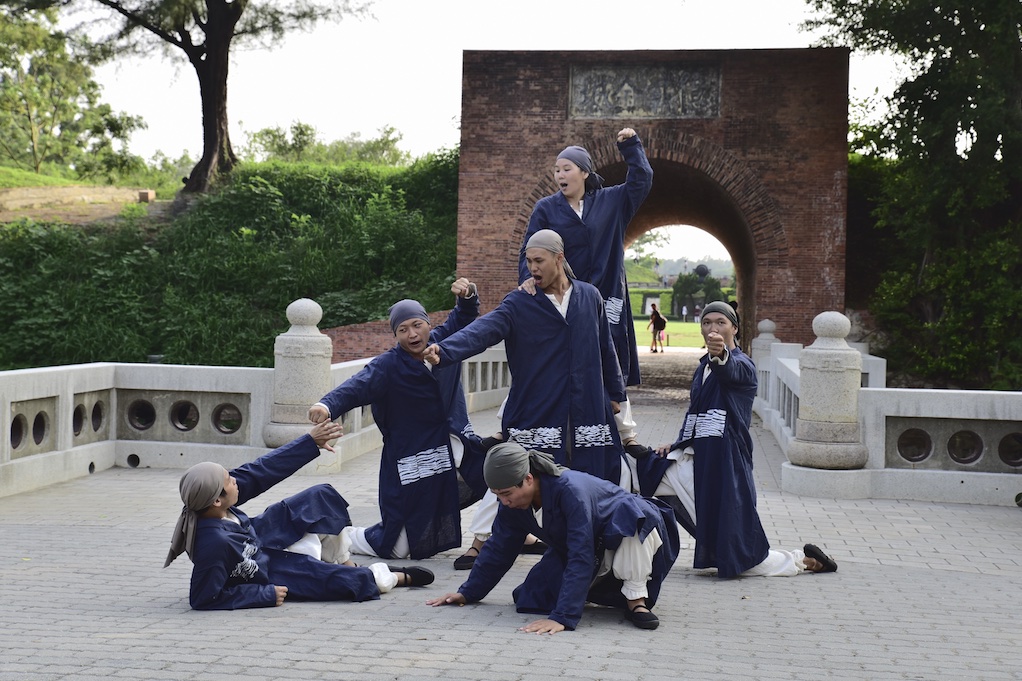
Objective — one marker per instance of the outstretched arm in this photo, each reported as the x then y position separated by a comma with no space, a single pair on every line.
257,476
363,388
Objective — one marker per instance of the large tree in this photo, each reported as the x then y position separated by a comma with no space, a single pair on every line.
951,192
204,32
50,111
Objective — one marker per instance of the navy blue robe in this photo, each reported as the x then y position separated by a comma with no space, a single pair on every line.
417,410
729,535
564,375
582,516
237,566
594,244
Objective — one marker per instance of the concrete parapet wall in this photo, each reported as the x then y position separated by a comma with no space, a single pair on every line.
75,420
988,422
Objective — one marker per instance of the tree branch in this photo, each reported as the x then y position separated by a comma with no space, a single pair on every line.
138,19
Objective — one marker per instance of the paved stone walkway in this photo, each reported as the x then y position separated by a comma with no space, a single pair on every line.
924,591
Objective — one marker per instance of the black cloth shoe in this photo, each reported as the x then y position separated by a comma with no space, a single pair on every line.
466,561
536,548
643,620
813,551
414,576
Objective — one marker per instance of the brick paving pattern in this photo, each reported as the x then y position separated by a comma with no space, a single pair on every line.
924,591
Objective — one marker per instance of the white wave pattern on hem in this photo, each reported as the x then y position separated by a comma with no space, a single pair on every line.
537,438
425,464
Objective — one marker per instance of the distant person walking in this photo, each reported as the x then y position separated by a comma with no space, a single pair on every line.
684,313
658,323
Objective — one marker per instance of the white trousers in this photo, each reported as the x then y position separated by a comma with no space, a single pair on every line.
356,537
335,548
632,563
625,422
679,481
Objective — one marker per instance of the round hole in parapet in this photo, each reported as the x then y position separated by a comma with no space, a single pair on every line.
133,460
18,428
78,419
98,410
1010,449
184,415
227,418
40,426
915,445
965,447
141,415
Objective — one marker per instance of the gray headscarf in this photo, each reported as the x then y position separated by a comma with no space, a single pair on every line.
550,240
200,486
508,463
580,157
723,308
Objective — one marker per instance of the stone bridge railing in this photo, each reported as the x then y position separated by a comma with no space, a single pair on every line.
68,421
847,435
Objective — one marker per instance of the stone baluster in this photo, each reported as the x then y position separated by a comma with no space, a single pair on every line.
759,351
760,346
301,373
830,375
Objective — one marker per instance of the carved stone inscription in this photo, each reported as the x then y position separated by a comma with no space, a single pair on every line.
645,92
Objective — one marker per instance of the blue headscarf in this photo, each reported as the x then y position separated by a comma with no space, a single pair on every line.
403,310
580,157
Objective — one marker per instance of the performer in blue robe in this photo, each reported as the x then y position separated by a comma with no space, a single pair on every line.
711,463
606,545
243,562
421,412
594,240
564,370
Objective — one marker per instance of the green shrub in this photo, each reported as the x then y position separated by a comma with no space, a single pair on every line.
212,287
955,321
71,295
637,295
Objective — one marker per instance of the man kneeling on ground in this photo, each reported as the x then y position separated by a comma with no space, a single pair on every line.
606,545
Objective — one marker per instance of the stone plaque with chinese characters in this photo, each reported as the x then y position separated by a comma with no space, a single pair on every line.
645,92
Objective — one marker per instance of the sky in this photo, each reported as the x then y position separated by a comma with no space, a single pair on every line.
402,67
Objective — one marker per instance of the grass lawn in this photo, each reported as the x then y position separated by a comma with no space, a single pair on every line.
14,177
676,335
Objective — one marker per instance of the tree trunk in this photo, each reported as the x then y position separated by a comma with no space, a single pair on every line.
211,65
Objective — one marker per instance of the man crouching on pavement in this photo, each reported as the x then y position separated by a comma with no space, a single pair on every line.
606,545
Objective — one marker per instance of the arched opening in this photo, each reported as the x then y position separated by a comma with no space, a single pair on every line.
689,201
681,268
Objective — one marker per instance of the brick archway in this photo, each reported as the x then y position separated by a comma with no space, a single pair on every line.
764,172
